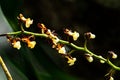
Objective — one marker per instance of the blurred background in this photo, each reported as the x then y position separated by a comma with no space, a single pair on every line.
101,17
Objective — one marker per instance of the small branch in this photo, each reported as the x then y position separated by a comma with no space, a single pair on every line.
14,33
6,71
2,35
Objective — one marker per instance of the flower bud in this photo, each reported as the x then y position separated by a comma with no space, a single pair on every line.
62,50
89,57
111,78
114,56
89,35
101,61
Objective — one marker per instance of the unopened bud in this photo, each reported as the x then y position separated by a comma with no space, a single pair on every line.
89,57
89,35
111,78
101,61
114,56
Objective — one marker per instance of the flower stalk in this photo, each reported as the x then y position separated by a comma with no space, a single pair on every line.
6,71
69,44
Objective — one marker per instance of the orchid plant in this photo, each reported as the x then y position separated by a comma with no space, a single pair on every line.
15,39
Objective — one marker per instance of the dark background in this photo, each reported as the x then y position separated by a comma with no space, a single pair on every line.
99,17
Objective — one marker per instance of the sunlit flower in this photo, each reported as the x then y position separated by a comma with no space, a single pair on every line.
16,44
89,57
74,34
27,21
31,44
71,60
62,50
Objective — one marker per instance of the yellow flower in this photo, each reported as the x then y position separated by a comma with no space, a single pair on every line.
16,44
54,38
62,50
71,60
31,44
28,22
75,35
21,17
43,28
92,36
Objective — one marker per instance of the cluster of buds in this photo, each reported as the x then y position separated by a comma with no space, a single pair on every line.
55,43
16,42
27,21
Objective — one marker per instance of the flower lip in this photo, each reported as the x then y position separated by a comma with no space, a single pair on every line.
16,44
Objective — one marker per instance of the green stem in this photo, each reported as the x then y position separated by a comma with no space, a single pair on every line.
69,44
27,32
36,34
71,51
